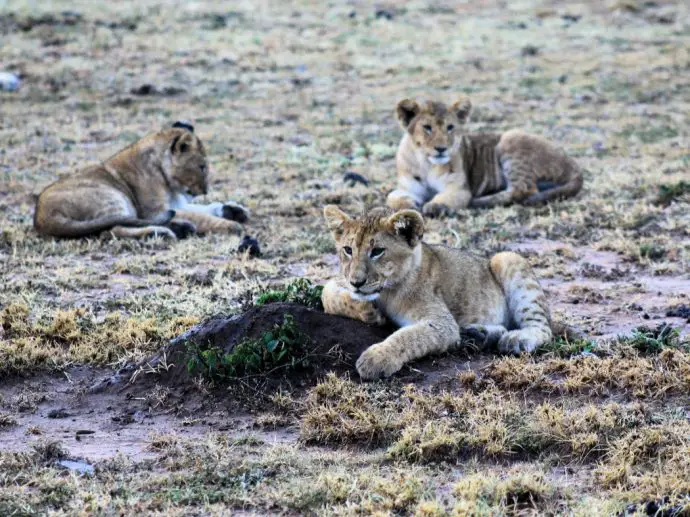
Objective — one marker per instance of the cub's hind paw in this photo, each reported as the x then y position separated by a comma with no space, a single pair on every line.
437,210
162,232
182,229
234,212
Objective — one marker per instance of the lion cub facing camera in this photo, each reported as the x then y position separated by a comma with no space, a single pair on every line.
442,168
143,190
433,293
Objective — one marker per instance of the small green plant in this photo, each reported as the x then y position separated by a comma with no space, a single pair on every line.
672,191
561,347
652,251
649,341
300,291
284,346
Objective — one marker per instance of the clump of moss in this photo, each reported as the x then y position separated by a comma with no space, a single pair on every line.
668,193
284,346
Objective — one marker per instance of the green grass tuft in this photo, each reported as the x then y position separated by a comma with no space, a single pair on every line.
300,291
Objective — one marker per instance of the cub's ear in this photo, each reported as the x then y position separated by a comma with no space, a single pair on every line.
184,125
462,109
180,143
408,224
406,110
335,220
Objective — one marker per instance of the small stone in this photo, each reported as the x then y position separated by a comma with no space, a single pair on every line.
529,50
77,465
352,178
58,413
250,244
144,89
9,82
384,13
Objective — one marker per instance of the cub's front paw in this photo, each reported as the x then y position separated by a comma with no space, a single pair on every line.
377,361
476,334
235,212
182,229
372,316
517,341
437,210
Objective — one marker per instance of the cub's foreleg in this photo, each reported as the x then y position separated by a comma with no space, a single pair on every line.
453,195
434,333
409,194
337,300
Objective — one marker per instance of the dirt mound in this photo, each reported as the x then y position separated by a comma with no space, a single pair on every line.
330,343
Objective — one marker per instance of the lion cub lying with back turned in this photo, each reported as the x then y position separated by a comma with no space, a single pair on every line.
433,293
442,169
143,190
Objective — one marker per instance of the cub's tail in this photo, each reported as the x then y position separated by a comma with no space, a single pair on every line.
58,225
529,312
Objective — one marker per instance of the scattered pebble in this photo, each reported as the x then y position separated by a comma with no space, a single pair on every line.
352,178
150,89
384,13
77,465
58,413
679,311
251,244
9,82
529,50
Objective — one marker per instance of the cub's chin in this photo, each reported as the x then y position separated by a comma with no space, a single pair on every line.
361,297
439,160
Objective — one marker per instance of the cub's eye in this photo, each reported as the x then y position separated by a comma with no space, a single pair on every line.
347,250
184,147
376,252
450,127
427,128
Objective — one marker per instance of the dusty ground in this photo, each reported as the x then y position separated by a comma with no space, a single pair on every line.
288,97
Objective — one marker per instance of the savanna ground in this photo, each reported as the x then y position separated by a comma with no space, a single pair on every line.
289,96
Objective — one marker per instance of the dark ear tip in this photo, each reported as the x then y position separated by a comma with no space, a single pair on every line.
184,125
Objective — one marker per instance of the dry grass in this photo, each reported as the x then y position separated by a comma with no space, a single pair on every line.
287,98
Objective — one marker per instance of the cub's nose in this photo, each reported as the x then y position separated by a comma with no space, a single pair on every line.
357,283
441,150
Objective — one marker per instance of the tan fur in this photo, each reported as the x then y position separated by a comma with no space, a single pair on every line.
437,295
141,191
477,170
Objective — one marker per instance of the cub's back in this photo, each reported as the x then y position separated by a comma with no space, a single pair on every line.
465,281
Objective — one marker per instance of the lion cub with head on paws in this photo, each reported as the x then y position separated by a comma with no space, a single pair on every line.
437,295
442,168
143,190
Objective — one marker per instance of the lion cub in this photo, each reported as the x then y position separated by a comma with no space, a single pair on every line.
434,293
143,190
442,169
